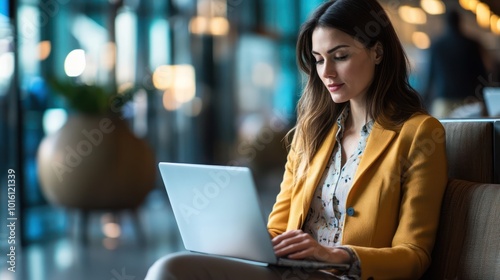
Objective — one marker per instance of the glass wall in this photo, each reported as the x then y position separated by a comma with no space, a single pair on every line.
10,170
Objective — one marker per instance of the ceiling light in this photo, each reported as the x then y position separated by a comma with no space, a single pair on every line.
412,15
495,24
433,7
483,15
421,40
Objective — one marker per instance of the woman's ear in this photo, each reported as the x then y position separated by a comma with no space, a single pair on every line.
378,52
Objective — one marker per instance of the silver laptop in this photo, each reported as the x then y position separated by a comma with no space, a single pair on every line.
492,101
218,212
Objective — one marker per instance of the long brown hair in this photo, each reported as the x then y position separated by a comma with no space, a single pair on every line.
390,98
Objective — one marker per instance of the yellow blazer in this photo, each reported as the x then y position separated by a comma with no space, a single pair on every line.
394,203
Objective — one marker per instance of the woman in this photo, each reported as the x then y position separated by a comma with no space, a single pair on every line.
366,170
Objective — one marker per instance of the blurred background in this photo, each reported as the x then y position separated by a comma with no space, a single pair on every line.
94,93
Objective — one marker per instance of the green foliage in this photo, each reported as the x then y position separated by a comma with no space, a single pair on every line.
91,99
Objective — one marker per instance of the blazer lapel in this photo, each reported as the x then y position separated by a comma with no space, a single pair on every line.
316,170
378,141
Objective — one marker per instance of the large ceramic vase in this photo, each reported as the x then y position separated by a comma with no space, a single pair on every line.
95,162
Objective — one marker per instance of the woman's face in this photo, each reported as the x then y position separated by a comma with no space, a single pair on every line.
344,65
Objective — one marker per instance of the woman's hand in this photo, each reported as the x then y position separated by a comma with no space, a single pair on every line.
296,244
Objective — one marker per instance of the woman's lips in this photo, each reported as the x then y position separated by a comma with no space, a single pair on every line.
334,87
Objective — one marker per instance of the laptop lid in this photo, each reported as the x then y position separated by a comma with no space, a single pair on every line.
492,100
217,210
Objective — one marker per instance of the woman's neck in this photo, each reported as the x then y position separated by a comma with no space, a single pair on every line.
357,117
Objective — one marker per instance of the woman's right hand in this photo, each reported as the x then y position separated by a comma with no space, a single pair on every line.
296,244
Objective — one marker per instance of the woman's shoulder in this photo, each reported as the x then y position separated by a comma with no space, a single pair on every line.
418,120
422,123
422,119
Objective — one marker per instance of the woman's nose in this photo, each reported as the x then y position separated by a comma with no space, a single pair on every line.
329,70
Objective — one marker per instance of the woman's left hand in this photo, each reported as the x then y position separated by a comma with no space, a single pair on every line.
296,244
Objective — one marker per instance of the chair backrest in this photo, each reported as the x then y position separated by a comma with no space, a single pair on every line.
468,239
473,149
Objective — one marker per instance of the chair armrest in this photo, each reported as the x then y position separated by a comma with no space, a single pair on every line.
468,239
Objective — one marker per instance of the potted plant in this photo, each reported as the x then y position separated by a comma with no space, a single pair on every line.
95,161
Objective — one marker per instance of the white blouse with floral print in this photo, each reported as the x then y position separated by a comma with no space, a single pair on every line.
326,215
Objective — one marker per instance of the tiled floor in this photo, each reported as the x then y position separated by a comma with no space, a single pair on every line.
123,258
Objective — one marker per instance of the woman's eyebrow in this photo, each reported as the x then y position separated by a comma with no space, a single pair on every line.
332,49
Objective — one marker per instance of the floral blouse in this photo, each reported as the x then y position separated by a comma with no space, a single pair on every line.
326,215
